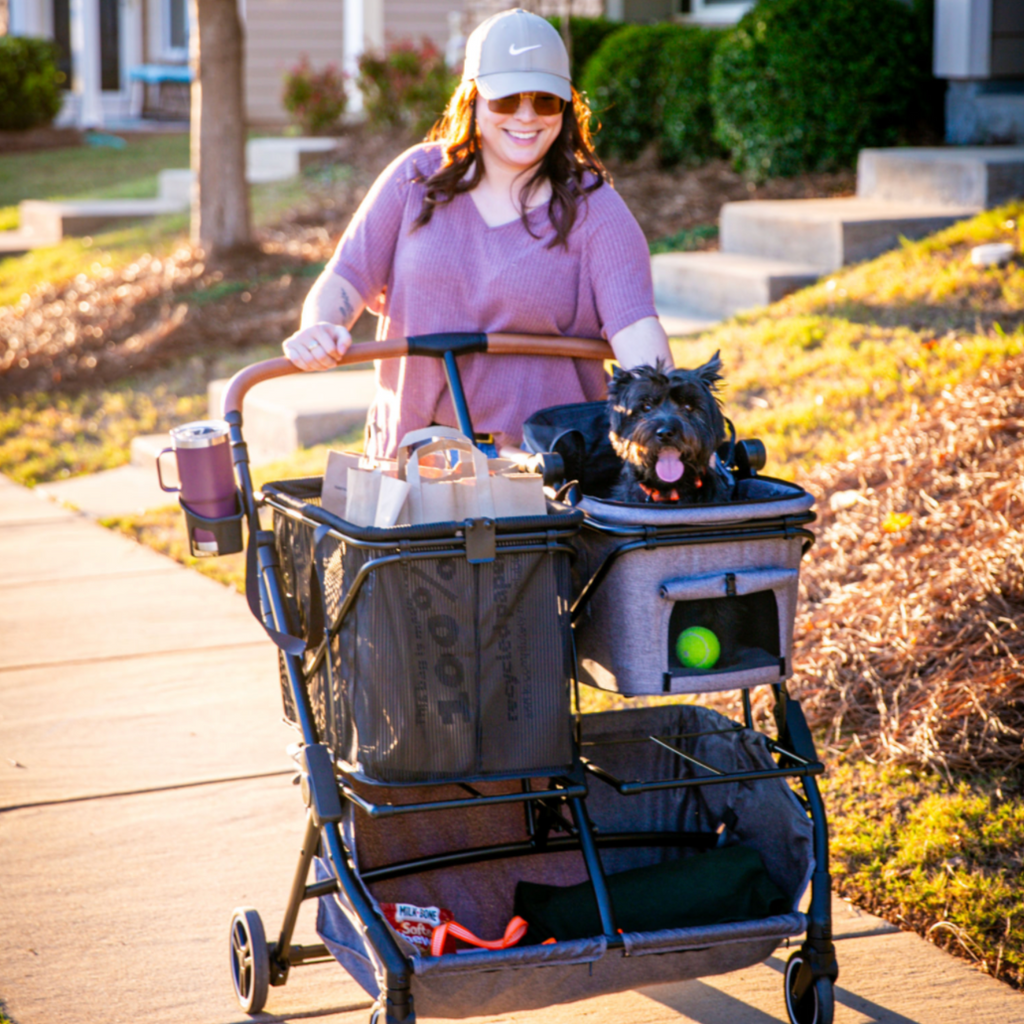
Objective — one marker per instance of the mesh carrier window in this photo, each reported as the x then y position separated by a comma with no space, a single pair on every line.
747,627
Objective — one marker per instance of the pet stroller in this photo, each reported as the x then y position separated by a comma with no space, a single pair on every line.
432,673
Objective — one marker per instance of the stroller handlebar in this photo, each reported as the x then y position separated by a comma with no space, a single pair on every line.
427,345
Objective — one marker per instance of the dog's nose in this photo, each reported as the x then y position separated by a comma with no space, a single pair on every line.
664,433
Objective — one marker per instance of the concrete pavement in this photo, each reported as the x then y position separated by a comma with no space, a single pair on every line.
145,792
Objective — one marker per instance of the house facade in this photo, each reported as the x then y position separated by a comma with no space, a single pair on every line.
979,46
103,42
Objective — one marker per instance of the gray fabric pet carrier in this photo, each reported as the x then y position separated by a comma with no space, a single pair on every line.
428,651
646,572
765,816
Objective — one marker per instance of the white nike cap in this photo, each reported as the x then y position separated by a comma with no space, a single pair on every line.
516,51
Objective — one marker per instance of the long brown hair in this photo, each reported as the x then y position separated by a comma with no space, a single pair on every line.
566,164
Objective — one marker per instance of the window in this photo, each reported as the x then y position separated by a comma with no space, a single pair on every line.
176,22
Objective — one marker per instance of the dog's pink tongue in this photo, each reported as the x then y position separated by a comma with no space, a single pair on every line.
670,467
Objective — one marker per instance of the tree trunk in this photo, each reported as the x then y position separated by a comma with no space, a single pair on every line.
220,204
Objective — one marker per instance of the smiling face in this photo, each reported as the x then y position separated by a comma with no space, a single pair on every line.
518,141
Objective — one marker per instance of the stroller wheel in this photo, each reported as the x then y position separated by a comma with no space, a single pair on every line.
816,1005
250,959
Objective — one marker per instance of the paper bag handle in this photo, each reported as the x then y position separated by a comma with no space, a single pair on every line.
425,434
481,472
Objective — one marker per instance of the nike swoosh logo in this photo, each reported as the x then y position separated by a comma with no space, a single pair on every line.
515,53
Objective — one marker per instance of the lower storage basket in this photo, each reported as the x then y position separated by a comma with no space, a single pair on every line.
764,815
434,652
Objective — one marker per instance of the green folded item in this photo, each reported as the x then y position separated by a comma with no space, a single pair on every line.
725,884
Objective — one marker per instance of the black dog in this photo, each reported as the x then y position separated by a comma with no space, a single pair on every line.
666,426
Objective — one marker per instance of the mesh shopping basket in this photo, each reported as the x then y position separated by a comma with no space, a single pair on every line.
429,646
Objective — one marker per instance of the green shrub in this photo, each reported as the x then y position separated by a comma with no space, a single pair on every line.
650,83
29,83
684,79
587,36
406,85
799,86
315,99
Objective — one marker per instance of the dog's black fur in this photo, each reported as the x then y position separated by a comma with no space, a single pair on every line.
652,409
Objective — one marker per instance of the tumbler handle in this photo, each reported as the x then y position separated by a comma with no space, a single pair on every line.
160,476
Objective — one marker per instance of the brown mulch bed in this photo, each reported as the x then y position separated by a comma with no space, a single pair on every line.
95,331
667,201
910,644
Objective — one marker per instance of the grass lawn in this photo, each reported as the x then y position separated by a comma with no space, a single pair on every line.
941,856
89,172
104,173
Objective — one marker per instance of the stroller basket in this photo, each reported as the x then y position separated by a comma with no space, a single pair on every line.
427,640
766,817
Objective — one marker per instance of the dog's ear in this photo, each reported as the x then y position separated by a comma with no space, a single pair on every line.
620,378
711,371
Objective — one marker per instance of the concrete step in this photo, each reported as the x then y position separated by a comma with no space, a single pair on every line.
19,242
718,284
175,186
288,413
829,233
973,176
281,416
53,221
280,159
680,321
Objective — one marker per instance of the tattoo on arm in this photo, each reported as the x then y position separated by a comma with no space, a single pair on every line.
346,308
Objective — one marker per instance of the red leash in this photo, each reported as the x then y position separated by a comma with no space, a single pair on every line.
445,934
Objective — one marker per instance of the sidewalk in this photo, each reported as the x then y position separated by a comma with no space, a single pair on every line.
145,793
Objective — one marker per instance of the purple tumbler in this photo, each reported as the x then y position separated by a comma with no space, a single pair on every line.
203,453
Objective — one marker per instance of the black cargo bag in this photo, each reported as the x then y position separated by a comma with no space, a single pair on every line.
434,652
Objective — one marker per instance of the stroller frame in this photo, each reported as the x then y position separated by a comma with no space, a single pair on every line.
257,963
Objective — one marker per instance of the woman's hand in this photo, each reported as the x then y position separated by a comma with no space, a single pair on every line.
317,347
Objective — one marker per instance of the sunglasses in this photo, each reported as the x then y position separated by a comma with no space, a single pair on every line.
544,104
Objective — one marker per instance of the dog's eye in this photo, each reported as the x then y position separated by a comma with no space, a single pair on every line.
646,406
688,408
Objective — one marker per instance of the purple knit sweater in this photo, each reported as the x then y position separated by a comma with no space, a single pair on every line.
458,274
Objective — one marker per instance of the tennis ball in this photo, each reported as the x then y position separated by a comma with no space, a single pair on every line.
698,647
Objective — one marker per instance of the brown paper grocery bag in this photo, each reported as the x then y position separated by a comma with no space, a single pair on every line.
392,502
363,491
518,494
439,492
334,489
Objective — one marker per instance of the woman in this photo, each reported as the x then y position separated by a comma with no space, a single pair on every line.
502,222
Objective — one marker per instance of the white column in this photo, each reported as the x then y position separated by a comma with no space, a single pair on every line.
85,61
28,18
363,29
373,24
353,45
17,18
963,39
132,49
